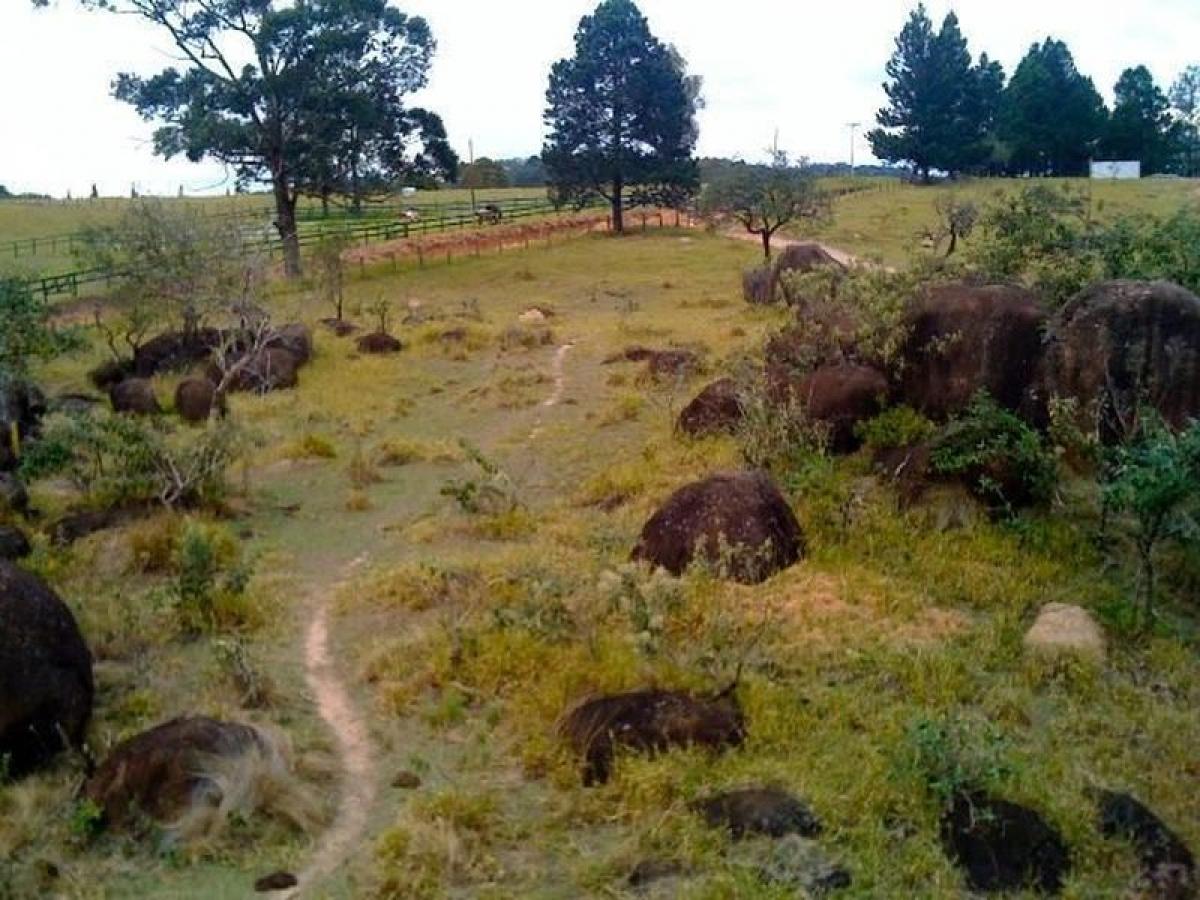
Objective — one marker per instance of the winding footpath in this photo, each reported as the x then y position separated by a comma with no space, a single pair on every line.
355,752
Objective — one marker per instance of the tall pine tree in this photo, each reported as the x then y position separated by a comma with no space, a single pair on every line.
621,114
1051,117
1141,126
941,106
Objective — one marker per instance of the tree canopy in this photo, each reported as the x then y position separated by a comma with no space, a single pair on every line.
941,106
1051,117
483,173
621,115
308,96
765,198
1141,126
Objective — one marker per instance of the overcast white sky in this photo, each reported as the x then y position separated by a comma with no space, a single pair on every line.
804,68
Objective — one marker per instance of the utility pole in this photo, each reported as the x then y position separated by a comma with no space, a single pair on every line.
471,157
853,126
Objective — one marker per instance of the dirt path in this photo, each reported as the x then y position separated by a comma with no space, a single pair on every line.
560,379
355,753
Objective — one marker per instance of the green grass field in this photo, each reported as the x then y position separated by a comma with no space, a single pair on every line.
464,636
53,222
887,221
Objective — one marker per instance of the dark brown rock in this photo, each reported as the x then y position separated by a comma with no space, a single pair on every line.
1002,846
340,327
1122,344
270,369
297,339
276,881
377,343
136,396
738,520
110,373
162,772
406,781
650,721
668,363
174,350
767,811
963,339
14,498
717,409
13,543
194,398
46,688
1168,867
841,397
22,406
764,284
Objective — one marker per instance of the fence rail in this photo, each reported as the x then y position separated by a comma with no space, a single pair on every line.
462,216
68,242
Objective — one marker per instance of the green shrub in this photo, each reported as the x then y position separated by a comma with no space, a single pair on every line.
952,754
1151,491
900,426
116,459
1002,460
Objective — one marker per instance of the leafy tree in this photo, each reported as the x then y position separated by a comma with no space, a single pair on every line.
26,334
5,193
529,172
765,198
177,267
1051,116
296,94
621,115
483,173
1153,486
1141,126
941,107
1185,102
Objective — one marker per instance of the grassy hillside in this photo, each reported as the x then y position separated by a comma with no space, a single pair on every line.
465,635
888,220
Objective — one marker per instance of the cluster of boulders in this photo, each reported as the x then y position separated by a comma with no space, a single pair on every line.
1116,346
217,362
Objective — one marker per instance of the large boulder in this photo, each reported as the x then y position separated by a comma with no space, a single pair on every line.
765,284
840,397
759,810
1003,846
14,544
22,405
270,369
175,350
135,396
14,498
716,410
735,520
181,767
1120,344
965,338
649,721
378,342
46,687
194,399
296,338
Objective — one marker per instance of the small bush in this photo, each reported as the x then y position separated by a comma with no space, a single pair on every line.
211,579
953,755
778,435
1001,459
117,460
311,446
900,426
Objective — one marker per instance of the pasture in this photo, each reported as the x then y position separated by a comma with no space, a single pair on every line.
461,632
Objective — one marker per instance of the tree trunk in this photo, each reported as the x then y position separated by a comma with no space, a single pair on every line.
766,242
618,209
285,222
